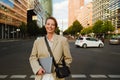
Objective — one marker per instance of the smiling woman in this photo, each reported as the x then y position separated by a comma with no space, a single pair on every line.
57,44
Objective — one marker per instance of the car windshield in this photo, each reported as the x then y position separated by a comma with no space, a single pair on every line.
114,38
91,39
80,38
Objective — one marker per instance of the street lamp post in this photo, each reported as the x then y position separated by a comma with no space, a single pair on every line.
5,24
2,32
13,32
18,30
61,31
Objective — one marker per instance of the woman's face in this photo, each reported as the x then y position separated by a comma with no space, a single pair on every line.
50,26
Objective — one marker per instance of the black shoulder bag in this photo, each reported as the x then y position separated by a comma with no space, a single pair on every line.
63,70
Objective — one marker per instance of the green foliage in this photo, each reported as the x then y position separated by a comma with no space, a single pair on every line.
42,31
57,30
97,27
74,28
77,27
68,31
23,29
33,29
87,30
103,27
107,26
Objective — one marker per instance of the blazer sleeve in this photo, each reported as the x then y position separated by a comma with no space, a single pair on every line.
66,51
34,58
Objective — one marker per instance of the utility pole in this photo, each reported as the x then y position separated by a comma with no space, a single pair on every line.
2,32
61,31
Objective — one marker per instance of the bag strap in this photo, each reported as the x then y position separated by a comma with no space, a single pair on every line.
51,54
49,49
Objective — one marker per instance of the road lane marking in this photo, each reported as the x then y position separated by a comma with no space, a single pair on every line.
18,76
98,76
79,76
32,76
114,76
3,76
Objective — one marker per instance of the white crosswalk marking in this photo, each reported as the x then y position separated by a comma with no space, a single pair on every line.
94,76
114,76
32,76
78,76
98,76
3,76
18,76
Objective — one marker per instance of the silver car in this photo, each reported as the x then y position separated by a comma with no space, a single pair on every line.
114,40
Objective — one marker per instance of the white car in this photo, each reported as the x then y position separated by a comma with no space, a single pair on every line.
88,42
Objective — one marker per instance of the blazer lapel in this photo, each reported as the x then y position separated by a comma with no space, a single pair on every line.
55,40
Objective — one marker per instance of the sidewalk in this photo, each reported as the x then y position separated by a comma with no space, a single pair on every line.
9,40
71,40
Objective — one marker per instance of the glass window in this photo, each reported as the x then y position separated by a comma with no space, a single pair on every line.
88,39
80,38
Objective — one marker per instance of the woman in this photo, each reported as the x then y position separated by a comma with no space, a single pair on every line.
58,45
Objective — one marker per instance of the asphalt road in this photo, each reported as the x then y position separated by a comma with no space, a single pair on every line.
88,64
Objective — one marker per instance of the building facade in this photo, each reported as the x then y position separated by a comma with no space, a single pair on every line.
46,7
107,10
39,10
73,10
85,15
12,14
100,11
15,12
114,14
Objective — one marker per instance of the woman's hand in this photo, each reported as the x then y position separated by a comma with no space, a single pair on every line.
41,71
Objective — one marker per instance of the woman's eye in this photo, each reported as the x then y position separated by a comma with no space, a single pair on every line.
53,24
50,24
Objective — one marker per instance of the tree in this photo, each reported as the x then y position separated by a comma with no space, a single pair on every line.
57,30
76,27
107,26
33,29
23,29
101,28
68,31
43,31
87,30
97,27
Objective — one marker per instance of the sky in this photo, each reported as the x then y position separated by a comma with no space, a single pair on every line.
60,12
7,2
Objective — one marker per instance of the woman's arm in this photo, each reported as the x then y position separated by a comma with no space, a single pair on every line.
34,59
66,51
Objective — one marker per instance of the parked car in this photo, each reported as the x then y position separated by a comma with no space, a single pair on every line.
88,42
114,40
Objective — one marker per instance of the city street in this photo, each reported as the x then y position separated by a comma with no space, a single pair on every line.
88,64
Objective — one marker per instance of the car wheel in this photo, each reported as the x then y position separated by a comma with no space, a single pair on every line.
100,45
84,46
